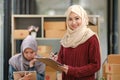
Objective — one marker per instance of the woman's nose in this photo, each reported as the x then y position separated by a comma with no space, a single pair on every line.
29,55
74,22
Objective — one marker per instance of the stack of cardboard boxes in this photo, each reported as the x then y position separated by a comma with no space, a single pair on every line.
112,67
44,51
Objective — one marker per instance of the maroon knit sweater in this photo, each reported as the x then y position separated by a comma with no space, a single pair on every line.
83,61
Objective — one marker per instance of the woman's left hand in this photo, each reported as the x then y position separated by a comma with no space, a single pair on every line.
27,77
65,68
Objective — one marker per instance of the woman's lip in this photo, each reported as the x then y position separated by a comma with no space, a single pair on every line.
74,26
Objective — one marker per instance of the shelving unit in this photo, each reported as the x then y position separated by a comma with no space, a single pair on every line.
57,22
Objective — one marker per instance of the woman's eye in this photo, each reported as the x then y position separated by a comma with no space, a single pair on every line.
32,52
26,52
77,18
70,19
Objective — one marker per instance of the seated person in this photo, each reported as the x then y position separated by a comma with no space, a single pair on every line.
25,61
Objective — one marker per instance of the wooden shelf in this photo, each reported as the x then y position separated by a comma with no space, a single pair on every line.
20,22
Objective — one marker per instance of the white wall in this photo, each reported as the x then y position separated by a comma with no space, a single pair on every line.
1,47
1,39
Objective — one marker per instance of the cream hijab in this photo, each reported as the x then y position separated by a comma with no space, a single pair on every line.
73,38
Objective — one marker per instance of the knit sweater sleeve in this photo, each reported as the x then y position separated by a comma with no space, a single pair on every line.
60,55
94,62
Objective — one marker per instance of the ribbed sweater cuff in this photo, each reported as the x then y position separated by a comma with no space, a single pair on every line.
70,71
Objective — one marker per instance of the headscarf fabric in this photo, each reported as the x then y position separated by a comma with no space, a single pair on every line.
20,63
73,38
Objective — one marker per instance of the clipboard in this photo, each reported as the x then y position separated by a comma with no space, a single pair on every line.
50,62
18,75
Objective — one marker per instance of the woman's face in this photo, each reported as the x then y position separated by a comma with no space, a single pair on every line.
74,21
29,54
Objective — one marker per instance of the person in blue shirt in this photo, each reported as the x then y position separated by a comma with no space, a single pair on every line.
25,61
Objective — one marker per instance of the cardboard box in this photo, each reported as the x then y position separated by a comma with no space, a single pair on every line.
113,76
54,33
114,58
94,28
112,68
50,73
55,25
44,50
47,55
20,34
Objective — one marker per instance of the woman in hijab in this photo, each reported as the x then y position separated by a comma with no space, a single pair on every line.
80,48
25,61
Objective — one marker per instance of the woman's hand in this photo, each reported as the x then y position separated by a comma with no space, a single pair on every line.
32,62
27,77
64,68
53,56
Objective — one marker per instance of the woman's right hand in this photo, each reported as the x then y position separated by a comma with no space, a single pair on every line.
32,62
53,56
